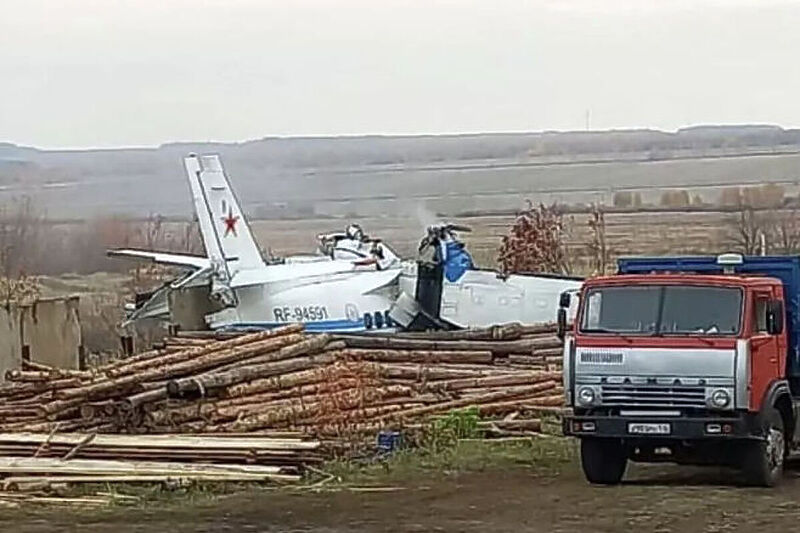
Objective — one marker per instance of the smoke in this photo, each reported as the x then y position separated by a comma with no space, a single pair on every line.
426,217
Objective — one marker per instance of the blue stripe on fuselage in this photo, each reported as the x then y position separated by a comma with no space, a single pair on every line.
317,326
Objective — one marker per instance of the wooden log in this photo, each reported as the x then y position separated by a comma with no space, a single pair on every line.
175,416
424,372
485,398
193,353
298,410
138,400
203,362
494,381
282,361
183,342
33,365
510,331
522,359
293,392
214,335
549,352
22,390
497,347
418,356
27,376
278,382
10,419
338,399
148,355
538,329
540,405
312,344
531,424
95,410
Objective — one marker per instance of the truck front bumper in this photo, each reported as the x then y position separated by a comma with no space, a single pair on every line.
740,426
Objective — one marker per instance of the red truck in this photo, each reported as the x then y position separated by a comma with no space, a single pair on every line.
691,360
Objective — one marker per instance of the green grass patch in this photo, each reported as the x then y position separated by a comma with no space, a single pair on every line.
544,456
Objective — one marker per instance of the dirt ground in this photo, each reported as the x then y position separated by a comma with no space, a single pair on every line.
660,499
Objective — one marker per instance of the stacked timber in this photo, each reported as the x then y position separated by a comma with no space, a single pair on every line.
34,458
286,380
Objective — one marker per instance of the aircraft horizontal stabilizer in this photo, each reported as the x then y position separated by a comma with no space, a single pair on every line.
177,260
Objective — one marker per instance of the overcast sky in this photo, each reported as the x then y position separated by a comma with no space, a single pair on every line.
82,73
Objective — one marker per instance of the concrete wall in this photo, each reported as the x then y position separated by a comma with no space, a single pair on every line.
48,330
10,340
52,331
188,307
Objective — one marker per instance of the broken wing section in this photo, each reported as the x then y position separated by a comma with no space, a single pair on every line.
194,262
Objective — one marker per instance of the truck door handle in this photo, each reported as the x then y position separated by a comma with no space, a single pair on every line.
763,341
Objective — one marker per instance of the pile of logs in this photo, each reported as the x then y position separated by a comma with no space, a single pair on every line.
320,385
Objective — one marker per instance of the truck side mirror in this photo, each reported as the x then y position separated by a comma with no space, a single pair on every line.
564,300
561,332
775,317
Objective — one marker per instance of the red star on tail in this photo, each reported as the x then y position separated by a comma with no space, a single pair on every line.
230,223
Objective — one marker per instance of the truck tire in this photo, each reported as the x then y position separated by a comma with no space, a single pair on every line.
762,463
603,460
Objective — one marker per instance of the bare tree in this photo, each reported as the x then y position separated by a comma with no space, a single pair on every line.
20,226
767,231
749,230
598,249
784,232
535,242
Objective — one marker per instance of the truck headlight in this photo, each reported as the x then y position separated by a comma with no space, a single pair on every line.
586,396
719,398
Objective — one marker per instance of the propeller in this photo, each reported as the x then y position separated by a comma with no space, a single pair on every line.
439,232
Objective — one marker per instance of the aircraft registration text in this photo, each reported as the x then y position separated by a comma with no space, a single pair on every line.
304,313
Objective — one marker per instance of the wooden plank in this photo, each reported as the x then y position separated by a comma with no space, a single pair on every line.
164,441
11,483
97,467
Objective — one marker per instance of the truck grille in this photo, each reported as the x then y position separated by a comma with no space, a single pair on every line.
653,396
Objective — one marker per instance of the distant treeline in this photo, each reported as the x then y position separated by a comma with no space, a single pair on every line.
21,163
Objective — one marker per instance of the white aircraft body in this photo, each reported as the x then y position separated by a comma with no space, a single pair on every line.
449,292
351,289
354,284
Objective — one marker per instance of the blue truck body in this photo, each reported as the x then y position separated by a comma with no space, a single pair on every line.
784,268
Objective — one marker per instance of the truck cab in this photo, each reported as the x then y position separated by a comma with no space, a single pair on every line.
686,360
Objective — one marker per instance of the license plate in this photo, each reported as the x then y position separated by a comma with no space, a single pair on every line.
649,429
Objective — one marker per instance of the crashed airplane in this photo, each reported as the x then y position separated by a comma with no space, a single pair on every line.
354,284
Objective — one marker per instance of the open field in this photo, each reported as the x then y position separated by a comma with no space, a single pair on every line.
627,233
514,488
270,190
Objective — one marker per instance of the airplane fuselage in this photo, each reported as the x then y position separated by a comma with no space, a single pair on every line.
324,295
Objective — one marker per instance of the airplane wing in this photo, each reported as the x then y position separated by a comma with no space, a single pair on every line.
178,260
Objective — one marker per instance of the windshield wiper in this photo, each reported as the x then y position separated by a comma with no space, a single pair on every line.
622,336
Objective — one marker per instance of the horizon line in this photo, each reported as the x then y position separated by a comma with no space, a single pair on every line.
329,136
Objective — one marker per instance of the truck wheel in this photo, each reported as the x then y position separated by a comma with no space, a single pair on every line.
763,460
603,460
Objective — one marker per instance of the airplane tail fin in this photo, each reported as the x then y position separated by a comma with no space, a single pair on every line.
226,234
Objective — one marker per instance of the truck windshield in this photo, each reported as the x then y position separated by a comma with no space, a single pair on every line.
663,310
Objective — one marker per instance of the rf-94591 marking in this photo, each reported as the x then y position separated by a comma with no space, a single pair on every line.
302,313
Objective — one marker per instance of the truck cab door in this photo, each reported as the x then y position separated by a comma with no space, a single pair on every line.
764,349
